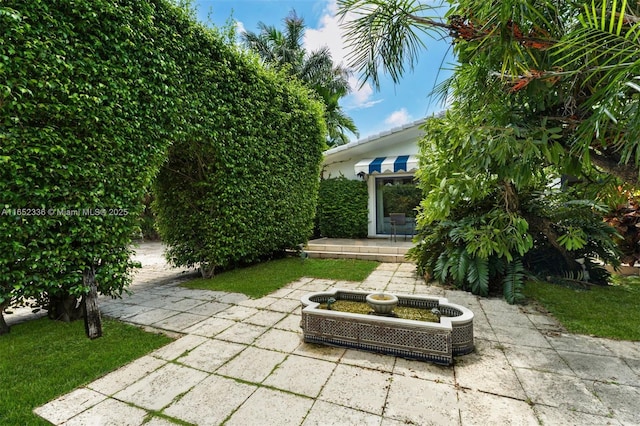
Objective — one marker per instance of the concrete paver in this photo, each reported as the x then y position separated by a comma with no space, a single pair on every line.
210,327
477,408
567,392
287,375
127,375
327,414
271,407
621,400
67,406
438,402
279,340
158,389
241,332
179,347
252,364
242,361
110,412
210,355
211,401
358,388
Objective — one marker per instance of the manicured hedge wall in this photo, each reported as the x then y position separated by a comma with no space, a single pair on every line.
88,105
342,208
242,184
92,93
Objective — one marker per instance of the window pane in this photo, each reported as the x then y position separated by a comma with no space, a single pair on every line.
396,195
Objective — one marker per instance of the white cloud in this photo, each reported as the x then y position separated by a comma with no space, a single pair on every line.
240,28
398,118
360,97
329,33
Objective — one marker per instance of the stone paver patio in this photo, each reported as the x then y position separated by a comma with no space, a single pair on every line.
240,361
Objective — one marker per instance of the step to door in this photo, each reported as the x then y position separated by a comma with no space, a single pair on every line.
382,250
334,248
379,257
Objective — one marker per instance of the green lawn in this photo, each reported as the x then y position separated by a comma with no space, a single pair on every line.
263,278
611,311
43,359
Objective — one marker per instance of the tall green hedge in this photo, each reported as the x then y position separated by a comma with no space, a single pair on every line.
242,183
342,208
92,94
88,107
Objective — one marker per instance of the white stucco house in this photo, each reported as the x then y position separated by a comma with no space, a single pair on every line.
387,162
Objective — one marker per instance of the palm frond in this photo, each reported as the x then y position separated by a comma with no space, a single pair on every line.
478,276
441,268
513,282
294,31
385,35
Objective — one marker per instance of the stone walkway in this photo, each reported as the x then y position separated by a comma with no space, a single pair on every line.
241,361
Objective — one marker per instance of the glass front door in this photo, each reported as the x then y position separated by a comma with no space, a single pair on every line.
395,197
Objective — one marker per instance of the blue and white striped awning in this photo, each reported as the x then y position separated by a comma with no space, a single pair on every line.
399,164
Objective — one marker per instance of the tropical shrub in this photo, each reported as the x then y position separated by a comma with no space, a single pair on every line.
540,89
487,251
571,239
242,183
342,208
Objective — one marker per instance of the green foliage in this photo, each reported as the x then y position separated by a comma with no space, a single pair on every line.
401,198
35,349
148,231
88,105
541,89
342,208
483,249
625,217
91,96
241,182
283,50
580,235
263,278
513,282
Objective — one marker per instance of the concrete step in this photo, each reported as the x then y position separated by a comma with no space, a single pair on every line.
380,257
380,253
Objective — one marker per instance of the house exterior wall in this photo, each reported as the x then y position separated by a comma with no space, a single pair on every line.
341,161
344,164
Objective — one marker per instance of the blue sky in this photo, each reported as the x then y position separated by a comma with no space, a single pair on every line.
373,112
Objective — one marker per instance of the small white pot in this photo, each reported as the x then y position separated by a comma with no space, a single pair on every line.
382,303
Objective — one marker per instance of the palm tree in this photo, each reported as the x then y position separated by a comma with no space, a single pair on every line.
283,50
564,64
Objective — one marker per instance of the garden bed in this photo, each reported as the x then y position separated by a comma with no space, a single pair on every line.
436,342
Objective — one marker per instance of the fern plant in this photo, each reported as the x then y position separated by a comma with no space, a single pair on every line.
489,251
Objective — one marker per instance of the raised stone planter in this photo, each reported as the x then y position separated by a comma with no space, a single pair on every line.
426,341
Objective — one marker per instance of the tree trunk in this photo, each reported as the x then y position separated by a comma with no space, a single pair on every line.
92,320
65,308
4,327
207,270
610,163
511,200
544,226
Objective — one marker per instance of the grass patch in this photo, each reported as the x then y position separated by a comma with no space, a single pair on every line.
612,311
261,279
43,359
